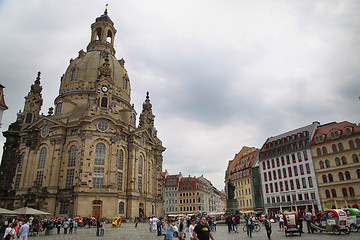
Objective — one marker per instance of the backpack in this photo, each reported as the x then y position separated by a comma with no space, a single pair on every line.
7,237
266,223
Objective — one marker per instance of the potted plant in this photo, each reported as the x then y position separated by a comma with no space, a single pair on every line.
49,229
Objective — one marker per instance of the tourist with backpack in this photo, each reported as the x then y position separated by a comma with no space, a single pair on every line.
249,225
267,225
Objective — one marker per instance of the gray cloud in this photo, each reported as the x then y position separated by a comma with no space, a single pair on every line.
221,75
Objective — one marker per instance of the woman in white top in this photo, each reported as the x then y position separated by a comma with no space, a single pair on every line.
7,230
191,228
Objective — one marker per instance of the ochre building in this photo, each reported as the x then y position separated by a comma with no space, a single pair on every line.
336,152
87,157
241,177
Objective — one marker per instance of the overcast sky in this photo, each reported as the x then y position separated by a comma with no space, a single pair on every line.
221,74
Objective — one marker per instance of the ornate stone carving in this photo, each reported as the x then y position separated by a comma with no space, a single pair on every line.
105,69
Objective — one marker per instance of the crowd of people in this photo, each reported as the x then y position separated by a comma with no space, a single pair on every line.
199,227
233,223
22,228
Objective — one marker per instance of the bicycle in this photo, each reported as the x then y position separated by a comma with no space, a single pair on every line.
257,227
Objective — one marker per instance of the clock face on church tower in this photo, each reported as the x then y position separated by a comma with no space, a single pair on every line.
104,88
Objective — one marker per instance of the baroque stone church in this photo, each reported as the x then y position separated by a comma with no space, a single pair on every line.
87,157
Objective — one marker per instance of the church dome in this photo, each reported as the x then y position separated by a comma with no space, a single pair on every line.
84,72
98,67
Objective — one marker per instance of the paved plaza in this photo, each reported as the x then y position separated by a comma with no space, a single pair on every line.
128,231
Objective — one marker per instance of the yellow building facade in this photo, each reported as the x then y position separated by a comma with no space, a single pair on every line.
88,157
240,173
336,152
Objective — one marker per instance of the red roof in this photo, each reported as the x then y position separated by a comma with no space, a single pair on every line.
172,180
246,161
189,183
326,130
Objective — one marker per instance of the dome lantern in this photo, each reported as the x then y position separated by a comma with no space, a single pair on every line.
102,34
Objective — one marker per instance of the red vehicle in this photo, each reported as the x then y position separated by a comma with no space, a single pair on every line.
291,223
332,220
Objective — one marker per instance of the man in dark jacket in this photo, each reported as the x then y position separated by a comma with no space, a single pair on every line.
249,225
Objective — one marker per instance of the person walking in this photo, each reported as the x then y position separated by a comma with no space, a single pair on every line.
202,231
229,223
76,226
281,222
169,231
236,223
150,223
267,225
301,219
66,226
102,227
7,234
71,226
154,223
181,229
308,217
249,225
24,231
191,229
159,227
58,225
136,221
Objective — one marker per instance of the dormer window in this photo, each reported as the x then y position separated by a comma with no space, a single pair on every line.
335,134
319,138
348,131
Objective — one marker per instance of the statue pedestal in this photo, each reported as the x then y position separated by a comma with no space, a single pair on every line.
231,207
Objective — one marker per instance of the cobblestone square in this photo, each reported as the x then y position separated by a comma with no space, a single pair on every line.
128,231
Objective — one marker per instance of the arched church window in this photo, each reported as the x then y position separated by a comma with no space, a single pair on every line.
125,83
109,37
140,170
42,157
121,160
98,34
73,74
28,118
72,156
100,154
104,102
121,208
120,181
21,163
133,119
58,108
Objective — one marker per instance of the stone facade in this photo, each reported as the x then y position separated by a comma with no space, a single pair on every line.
336,152
88,158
